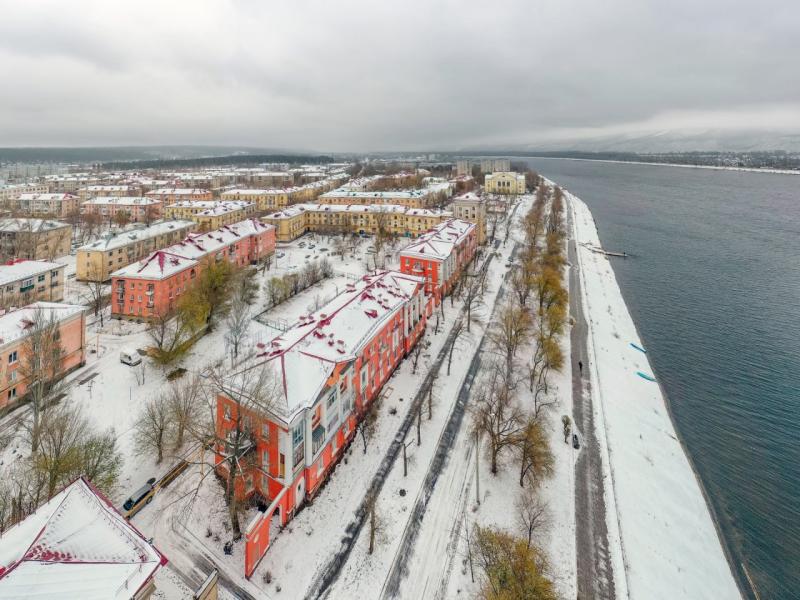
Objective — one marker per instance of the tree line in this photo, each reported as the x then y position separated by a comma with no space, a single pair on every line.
509,401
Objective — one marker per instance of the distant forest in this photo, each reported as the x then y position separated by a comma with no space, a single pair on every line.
209,161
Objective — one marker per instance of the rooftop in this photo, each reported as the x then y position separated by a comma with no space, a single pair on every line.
122,200
33,225
118,239
19,269
296,209
303,357
440,241
78,546
14,324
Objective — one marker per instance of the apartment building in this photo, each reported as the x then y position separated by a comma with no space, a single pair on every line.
109,191
10,192
495,165
25,281
16,326
421,198
471,207
70,184
137,208
504,183
170,195
270,178
440,255
365,219
37,205
96,260
264,199
34,239
76,545
328,368
153,286
211,214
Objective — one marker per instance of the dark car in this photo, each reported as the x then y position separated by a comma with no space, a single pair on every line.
139,498
575,443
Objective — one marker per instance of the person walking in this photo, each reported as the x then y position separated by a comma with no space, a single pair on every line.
580,366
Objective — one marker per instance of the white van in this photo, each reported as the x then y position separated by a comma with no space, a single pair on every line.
130,357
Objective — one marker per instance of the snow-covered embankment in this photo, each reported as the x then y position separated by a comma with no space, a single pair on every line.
661,534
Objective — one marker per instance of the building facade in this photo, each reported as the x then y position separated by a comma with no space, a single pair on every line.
109,191
421,198
211,215
15,328
137,208
96,260
34,239
153,286
328,369
440,255
170,195
37,205
504,183
25,281
495,165
363,219
265,199
471,207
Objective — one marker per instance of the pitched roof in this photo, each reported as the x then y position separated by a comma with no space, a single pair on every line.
76,545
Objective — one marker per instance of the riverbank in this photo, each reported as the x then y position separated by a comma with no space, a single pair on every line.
662,539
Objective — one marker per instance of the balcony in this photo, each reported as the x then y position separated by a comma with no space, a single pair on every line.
317,439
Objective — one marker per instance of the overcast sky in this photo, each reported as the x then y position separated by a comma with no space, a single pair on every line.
391,75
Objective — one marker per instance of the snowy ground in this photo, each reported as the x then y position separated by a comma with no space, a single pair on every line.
663,540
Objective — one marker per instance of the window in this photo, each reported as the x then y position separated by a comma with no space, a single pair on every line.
281,465
320,466
265,432
228,412
12,393
265,461
331,400
41,278
12,358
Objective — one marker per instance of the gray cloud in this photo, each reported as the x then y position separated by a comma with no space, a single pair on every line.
367,75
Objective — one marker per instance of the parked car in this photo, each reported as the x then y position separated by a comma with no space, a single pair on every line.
139,499
312,246
280,254
575,443
130,357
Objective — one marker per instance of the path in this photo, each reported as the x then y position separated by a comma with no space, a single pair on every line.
595,579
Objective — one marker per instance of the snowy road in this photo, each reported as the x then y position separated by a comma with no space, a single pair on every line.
595,578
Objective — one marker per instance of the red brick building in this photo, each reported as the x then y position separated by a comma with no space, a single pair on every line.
440,255
328,367
153,285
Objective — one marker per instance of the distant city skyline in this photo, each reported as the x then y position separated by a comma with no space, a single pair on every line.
364,76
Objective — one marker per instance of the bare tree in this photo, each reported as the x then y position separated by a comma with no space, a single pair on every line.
150,432
97,291
416,352
510,330
184,402
245,393
237,322
565,422
495,413
455,332
41,366
532,515
377,524
369,422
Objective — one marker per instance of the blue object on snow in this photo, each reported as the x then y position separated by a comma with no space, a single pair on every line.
645,376
639,348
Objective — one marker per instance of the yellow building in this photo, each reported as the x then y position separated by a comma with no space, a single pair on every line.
34,239
25,281
471,207
109,191
421,198
211,215
170,195
97,260
265,199
505,183
394,219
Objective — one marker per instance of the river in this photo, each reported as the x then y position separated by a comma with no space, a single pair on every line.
713,285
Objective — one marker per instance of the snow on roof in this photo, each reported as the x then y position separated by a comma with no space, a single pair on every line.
222,208
17,225
340,192
255,192
122,200
19,269
304,356
109,188
186,253
211,204
296,209
46,196
117,239
15,324
177,192
78,546
468,197
440,241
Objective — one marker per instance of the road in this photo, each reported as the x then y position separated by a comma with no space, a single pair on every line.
437,516
595,577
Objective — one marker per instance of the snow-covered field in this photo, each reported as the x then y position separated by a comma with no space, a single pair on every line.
663,540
